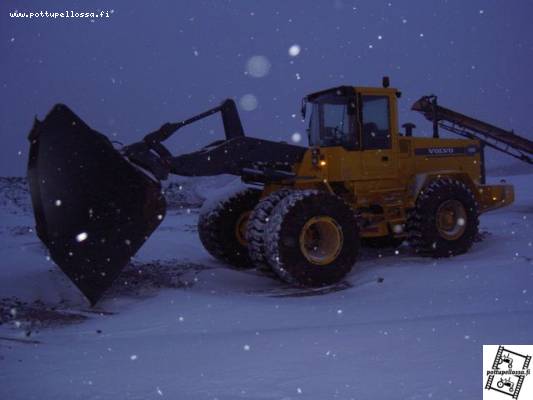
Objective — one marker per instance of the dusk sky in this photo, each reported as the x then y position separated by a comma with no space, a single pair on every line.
153,62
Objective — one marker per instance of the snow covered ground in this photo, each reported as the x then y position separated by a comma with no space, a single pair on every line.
179,325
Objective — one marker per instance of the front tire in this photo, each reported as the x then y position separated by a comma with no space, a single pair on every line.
222,228
255,232
445,219
312,239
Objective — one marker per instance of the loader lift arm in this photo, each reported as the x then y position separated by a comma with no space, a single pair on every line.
153,156
252,158
500,139
230,119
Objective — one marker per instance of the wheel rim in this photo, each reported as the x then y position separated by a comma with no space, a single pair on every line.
240,228
321,240
451,219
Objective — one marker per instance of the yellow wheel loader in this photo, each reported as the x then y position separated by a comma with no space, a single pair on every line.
307,209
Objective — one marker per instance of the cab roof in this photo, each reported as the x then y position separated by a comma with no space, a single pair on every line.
347,91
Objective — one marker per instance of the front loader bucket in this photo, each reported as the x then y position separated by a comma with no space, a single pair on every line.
93,208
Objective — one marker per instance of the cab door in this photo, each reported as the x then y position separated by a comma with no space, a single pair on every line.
377,121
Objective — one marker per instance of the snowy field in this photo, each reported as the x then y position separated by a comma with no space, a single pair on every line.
179,325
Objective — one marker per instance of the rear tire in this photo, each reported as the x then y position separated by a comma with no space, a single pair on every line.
311,239
255,232
445,219
222,228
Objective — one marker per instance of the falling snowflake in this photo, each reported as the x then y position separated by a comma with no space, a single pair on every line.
133,357
397,228
57,203
248,102
296,137
258,66
80,237
246,347
294,50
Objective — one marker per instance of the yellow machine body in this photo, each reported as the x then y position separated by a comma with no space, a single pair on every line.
383,184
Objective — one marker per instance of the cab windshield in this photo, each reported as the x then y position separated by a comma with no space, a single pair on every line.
331,123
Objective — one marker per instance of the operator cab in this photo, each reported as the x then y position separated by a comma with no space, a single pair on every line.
341,117
332,118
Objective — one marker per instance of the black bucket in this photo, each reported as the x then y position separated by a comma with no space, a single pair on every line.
93,208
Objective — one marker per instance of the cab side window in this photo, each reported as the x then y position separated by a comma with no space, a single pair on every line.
376,122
